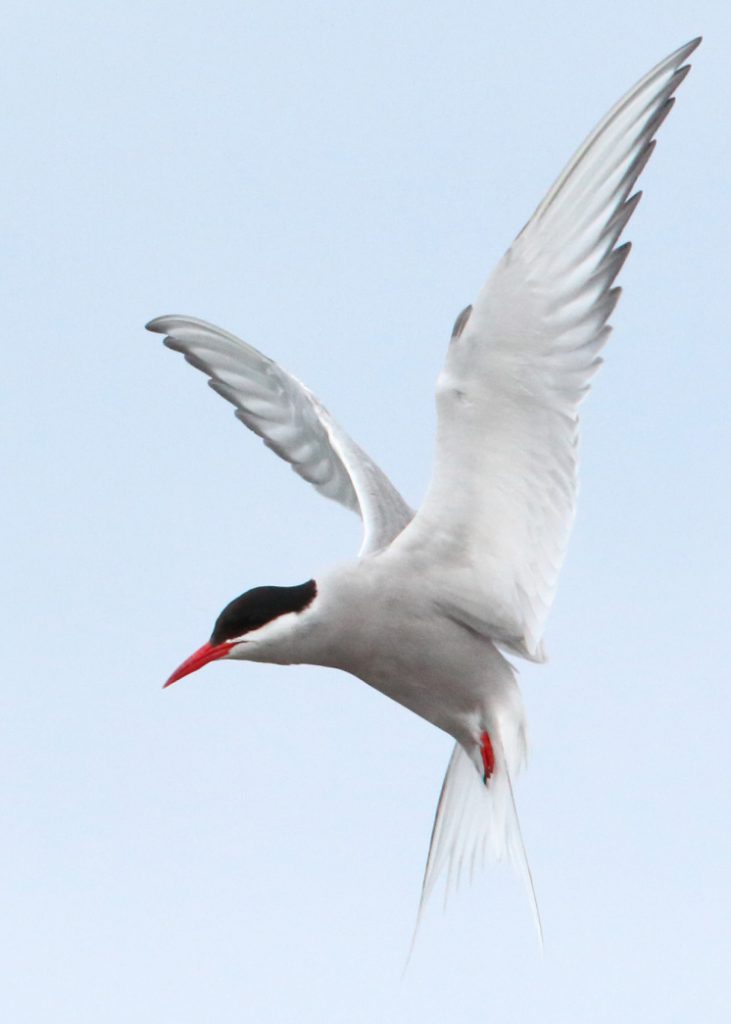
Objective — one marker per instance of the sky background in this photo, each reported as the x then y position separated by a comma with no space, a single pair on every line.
333,182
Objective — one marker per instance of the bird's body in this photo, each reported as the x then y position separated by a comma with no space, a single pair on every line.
379,619
436,600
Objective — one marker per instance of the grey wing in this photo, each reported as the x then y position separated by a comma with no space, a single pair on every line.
293,423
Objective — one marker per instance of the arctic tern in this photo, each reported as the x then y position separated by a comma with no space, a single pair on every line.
436,599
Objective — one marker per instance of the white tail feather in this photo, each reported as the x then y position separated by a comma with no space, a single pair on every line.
477,821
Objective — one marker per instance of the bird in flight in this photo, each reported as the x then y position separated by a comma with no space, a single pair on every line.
437,599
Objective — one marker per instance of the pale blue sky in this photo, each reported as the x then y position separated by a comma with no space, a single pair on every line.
333,182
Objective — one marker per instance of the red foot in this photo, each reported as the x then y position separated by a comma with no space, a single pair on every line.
488,756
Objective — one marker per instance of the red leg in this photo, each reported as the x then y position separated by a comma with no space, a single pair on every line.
488,756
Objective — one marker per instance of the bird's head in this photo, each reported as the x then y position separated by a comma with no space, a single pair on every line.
241,626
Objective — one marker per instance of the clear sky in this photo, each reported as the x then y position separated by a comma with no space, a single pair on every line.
333,181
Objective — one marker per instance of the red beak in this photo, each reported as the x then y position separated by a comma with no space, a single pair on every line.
208,652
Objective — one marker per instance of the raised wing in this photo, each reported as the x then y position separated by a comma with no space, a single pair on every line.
500,506
293,423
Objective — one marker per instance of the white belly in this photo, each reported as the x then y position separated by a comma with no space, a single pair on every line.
386,629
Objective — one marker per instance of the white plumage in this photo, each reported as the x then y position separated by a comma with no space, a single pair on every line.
434,598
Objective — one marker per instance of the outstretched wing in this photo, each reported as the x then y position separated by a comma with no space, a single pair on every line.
500,506
292,422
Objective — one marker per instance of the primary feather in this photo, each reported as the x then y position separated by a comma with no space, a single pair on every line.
293,423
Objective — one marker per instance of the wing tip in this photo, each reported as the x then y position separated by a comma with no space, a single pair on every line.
685,51
174,321
160,324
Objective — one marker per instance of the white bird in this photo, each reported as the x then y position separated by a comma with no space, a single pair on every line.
435,599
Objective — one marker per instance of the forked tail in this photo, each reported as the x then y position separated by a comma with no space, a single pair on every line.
476,821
